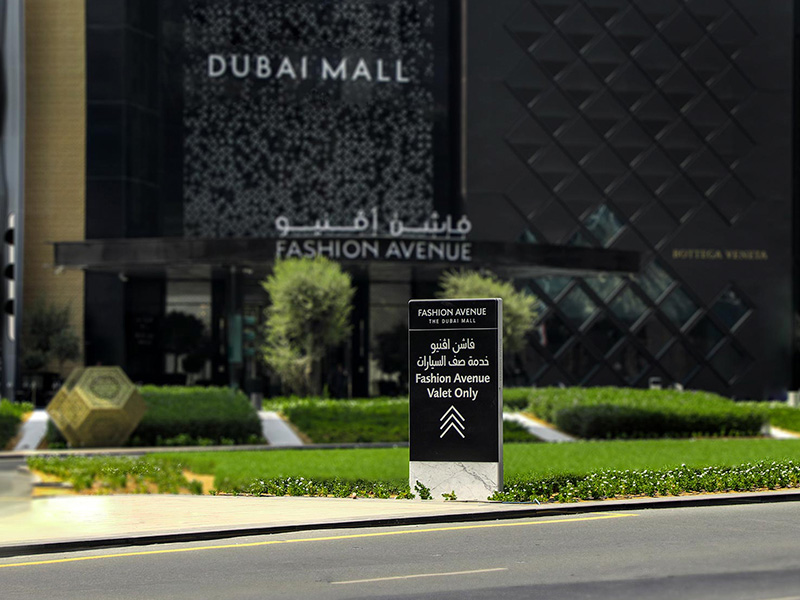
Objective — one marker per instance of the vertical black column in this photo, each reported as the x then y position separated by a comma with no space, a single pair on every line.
104,318
233,326
359,357
12,182
144,310
795,384
219,363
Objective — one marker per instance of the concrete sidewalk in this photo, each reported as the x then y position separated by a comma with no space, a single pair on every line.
69,523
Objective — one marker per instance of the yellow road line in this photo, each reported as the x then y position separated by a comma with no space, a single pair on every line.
318,539
418,576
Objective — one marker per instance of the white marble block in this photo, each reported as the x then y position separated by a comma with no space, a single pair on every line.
468,480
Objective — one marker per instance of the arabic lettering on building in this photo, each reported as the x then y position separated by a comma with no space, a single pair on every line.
362,224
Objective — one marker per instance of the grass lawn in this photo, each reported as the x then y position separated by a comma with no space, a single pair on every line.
238,469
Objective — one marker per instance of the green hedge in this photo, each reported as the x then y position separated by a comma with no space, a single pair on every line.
627,413
516,399
346,421
361,420
190,416
10,418
196,415
780,414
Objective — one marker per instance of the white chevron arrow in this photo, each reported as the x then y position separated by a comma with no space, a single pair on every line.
452,419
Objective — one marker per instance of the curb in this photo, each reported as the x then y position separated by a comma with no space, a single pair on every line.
514,511
23,454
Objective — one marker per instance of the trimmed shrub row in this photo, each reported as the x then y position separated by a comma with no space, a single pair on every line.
779,414
196,415
346,421
10,418
361,420
626,413
190,416
516,399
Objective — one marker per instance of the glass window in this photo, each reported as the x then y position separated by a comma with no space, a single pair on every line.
628,307
577,361
629,363
604,335
704,336
186,329
679,307
654,334
577,306
604,224
655,280
730,308
191,298
528,237
554,333
730,362
678,361
578,238
604,285
554,285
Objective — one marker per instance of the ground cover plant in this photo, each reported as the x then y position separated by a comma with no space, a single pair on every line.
189,416
10,418
234,471
628,413
601,485
118,473
538,472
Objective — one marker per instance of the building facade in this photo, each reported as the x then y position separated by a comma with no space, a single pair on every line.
630,163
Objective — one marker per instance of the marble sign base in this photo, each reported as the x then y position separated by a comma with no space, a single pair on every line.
469,480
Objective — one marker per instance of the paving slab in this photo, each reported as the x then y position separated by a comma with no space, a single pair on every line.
276,431
33,431
539,429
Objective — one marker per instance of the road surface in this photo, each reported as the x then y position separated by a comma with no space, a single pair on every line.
741,552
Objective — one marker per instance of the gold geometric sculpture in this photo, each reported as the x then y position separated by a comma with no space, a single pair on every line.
97,406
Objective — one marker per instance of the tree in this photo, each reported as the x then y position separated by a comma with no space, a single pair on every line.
48,335
182,332
519,308
311,302
391,352
184,336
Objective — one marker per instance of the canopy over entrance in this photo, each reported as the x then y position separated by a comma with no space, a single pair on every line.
424,255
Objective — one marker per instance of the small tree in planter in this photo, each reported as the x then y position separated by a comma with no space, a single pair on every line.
311,302
49,335
519,308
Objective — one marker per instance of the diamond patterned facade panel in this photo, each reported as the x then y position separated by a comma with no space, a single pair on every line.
636,134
